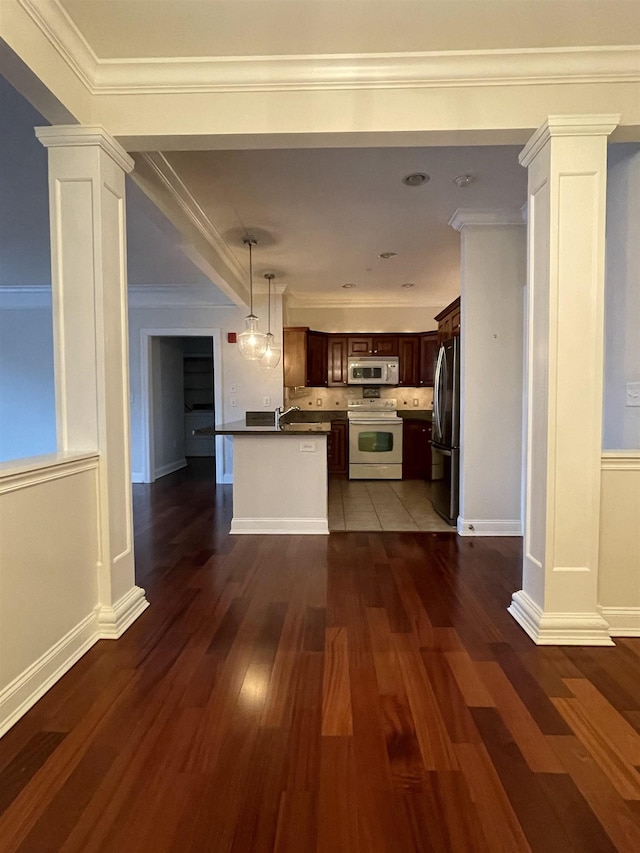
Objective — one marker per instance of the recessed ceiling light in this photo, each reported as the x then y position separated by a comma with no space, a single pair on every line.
387,255
463,180
408,284
349,285
416,179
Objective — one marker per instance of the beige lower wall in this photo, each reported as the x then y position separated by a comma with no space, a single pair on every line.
619,569
48,579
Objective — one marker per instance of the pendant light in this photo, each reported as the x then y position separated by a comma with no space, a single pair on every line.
252,342
272,353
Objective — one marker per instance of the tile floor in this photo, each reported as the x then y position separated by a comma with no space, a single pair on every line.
382,505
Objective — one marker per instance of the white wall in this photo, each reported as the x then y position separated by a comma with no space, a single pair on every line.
493,280
27,393
253,384
409,319
168,404
621,423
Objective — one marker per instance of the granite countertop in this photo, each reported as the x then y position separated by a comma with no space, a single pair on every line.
416,414
289,428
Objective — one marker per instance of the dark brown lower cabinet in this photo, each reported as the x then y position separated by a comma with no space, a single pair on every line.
337,452
416,449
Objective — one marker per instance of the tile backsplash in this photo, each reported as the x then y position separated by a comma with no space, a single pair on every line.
336,398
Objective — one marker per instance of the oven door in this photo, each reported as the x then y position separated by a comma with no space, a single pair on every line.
375,442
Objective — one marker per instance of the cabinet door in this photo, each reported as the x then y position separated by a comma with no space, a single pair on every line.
409,351
337,367
295,356
385,345
416,450
337,448
316,359
361,345
428,353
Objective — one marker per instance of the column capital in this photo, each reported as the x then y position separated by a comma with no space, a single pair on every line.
86,136
465,216
569,125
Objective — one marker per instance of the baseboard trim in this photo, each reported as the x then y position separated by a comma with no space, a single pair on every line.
113,621
286,526
170,468
623,621
558,629
489,527
25,690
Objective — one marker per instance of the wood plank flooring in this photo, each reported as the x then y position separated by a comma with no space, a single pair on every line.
357,692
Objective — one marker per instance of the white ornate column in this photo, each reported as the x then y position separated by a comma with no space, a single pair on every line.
567,162
89,283
492,285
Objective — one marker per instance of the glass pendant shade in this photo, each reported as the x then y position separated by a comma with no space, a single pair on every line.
271,357
252,342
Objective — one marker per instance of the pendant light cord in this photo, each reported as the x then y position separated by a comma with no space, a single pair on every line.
250,242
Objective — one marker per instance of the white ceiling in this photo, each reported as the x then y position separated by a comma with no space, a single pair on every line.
171,28
322,216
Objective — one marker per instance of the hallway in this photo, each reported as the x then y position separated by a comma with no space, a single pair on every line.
363,691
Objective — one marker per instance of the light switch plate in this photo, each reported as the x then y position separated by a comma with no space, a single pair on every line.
633,394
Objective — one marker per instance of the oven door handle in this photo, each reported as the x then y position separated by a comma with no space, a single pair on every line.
376,423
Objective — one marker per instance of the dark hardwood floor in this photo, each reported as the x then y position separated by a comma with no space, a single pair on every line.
357,692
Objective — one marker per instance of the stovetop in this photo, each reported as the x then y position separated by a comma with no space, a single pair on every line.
367,409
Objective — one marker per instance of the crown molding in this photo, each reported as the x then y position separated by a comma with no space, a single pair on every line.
166,75
25,296
58,28
620,460
180,193
174,295
464,217
74,136
569,125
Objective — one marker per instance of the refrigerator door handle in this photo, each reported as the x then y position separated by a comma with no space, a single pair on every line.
436,390
443,451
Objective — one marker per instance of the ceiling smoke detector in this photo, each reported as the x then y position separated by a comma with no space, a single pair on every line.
463,180
416,179
408,284
387,255
349,285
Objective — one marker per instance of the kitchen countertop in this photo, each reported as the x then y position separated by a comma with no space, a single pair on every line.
288,428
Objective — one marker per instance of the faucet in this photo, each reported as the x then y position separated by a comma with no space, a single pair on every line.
280,414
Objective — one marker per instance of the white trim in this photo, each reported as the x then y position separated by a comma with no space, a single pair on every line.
315,300
137,477
464,217
146,393
87,136
567,125
113,620
623,621
176,295
311,526
25,690
489,527
169,468
558,629
22,473
25,296
620,460
187,203
563,65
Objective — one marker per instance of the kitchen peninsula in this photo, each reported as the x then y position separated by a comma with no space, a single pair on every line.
279,477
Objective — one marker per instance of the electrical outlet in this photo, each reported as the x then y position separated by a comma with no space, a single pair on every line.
318,401
233,389
233,402
415,402
633,394
307,447
266,401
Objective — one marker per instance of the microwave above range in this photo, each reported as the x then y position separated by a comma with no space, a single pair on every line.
373,371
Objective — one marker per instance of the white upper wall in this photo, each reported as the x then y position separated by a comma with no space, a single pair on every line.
356,319
621,423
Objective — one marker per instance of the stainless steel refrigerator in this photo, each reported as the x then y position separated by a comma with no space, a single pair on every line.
445,442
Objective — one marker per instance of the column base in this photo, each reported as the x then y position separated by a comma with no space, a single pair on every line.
558,629
114,620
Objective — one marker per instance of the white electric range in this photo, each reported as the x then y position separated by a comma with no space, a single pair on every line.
375,440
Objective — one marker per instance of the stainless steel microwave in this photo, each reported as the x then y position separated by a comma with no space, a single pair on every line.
373,371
